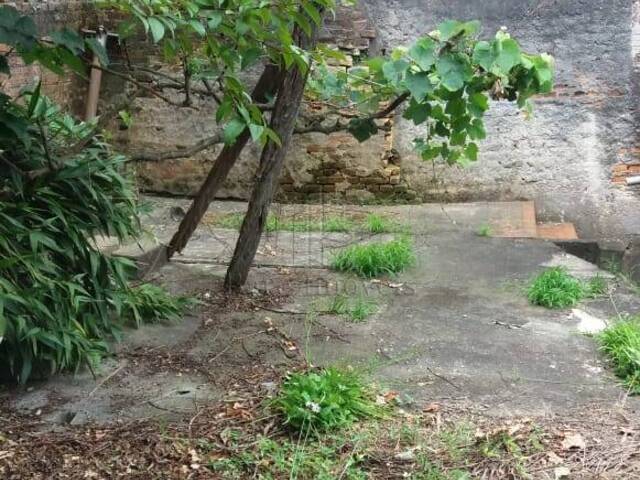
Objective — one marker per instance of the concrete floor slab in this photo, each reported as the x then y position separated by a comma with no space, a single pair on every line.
457,326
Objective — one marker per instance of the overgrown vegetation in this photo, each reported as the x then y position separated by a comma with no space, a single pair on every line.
375,223
61,187
318,401
408,446
375,259
621,343
355,309
556,288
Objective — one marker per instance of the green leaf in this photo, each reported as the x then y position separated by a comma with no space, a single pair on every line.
478,104
68,39
394,71
198,27
33,101
454,70
453,28
214,19
509,56
96,47
544,67
476,129
456,107
232,130
157,29
423,53
419,84
362,128
483,55
417,112
249,57
4,65
312,12
450,29
471,152
17,29
256,131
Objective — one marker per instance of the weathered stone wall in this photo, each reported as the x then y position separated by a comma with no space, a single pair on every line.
571,157
319,167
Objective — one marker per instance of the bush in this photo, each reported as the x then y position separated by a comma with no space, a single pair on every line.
375,259
325,400
621,343
61,187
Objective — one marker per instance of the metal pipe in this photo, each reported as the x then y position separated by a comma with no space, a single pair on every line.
633,180
95,78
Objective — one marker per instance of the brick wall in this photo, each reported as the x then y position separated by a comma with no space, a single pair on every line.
67,90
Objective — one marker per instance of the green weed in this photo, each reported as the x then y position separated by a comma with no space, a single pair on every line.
357,310
484,230
621,343
375,223
325,400
556,288
375,259
430,471
338,224
284,458
596,286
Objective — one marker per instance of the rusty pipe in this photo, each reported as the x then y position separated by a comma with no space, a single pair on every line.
95,78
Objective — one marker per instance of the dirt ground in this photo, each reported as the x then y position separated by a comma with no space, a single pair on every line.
453,338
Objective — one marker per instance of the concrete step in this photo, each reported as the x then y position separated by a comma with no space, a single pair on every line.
518,220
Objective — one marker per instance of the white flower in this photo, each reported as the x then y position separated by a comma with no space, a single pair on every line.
314,407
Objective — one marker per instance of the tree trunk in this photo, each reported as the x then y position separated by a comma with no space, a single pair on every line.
283,119
266,85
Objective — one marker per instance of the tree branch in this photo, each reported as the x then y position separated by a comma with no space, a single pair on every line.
179,153
142,86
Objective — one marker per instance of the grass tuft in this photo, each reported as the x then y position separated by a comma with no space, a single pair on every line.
356,311
330,399
338,224
556,288
484,230
621,343
377,224
375,259
373,223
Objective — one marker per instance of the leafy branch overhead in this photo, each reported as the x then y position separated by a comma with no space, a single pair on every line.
445,79
220,42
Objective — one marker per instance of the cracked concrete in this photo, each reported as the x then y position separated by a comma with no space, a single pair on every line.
455,327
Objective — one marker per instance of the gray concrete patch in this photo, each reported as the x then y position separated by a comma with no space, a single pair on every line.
455,327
